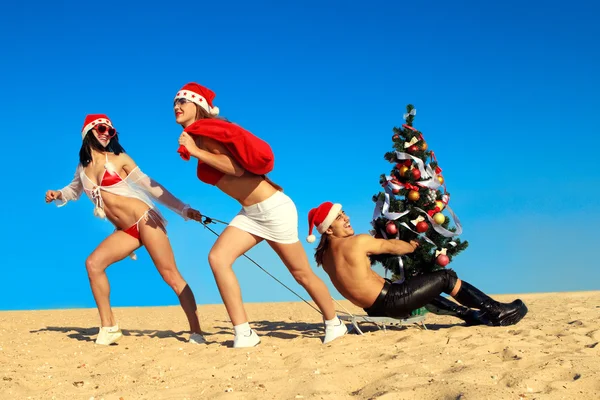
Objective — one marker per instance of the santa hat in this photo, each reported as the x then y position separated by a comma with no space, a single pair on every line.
92,120
322,217
198,95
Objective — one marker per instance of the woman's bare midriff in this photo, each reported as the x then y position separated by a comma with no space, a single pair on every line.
122,211
248,189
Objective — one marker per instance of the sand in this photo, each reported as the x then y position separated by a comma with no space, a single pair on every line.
551,354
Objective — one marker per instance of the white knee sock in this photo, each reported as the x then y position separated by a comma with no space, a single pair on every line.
241,329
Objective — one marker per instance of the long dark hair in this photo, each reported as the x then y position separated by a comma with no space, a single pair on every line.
90,142
320,250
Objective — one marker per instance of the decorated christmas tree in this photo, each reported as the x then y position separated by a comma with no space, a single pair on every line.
414,205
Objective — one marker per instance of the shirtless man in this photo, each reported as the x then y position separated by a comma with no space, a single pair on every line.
345,258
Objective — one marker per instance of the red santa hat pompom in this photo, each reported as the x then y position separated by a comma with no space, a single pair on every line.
92,120
198,95
322,217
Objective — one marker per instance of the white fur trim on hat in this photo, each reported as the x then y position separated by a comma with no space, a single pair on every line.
311,238
92,124
331,216
198,100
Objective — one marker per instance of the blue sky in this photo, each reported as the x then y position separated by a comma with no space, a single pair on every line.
507,97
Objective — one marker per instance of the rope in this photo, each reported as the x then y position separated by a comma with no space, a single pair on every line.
208,220
345,309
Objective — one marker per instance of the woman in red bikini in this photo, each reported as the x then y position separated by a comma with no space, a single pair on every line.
122,193
235,161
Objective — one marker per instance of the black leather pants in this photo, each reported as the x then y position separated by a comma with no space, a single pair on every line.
397,300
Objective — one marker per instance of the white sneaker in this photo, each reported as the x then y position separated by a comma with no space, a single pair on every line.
197,338
333,332
108,335
249,339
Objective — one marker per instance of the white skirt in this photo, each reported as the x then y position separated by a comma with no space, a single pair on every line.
274,219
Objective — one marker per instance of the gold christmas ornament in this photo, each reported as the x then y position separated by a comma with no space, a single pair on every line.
413,195
439,218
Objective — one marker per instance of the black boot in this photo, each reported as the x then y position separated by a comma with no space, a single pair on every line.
442,306
499,314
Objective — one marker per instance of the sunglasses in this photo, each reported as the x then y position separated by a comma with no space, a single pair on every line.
180,101
103,129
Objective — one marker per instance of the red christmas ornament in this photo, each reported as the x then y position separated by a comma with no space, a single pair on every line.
395,191
416,174
391,228
406,163
395,137
422,227
413,149
442,260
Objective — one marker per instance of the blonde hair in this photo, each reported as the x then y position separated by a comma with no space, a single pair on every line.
201,113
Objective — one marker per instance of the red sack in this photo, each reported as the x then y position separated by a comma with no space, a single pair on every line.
253,154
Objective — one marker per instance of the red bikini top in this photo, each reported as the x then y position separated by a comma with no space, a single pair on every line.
208,174
253,154
110,178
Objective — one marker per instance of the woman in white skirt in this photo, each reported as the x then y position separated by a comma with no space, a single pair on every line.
236,162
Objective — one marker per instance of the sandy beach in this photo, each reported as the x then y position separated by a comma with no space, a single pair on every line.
552,354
